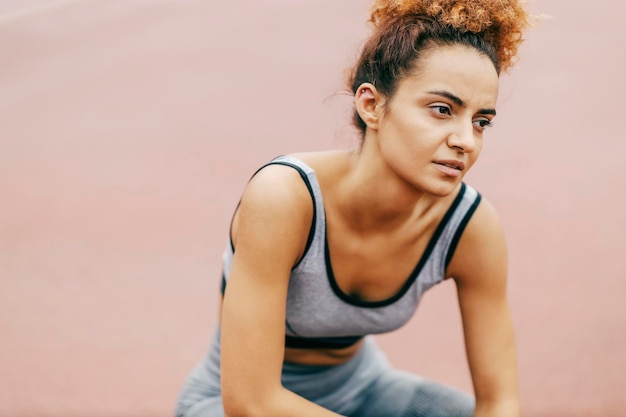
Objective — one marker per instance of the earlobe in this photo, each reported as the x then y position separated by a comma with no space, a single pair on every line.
367,102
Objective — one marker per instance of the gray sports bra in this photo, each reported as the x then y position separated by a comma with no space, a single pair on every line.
320,314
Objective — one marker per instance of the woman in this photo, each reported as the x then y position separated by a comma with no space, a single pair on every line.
327,248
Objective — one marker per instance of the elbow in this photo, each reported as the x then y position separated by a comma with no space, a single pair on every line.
247,410
238,408
250,405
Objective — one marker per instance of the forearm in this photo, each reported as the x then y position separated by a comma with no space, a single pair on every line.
281,403
495,379
503,408
494,371
293,405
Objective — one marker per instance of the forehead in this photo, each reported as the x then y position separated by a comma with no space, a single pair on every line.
457,69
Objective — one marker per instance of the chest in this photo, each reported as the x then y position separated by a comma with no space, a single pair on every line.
319,305
375,267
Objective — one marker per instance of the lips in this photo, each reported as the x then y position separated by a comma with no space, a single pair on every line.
451,163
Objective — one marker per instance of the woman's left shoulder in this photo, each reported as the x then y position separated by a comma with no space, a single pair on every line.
485,220
481,251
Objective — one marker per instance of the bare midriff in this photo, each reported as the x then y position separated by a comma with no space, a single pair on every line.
322,356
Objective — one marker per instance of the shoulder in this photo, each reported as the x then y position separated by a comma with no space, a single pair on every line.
276,191
484,224
277,184
481,252
276,210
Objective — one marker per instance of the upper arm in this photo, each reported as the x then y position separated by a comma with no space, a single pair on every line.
271,230
479,268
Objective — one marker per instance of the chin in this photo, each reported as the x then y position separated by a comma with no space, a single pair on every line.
441,188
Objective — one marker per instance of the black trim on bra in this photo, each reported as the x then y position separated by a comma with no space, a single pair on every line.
321,342
309,240
412,277
305,178
230,227
459,231
288,326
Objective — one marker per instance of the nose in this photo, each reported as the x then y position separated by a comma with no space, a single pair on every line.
463,138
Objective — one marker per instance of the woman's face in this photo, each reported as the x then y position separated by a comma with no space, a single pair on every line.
431,131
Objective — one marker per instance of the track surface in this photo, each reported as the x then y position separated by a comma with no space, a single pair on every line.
128,129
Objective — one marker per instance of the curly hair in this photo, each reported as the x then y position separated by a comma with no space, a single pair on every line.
403,29
499,22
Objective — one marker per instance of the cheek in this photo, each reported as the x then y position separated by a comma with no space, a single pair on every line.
416,135
398,135
473,157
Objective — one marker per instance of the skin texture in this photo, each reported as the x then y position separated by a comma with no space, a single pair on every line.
382,202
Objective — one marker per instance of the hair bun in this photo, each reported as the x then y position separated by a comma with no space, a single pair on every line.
501,22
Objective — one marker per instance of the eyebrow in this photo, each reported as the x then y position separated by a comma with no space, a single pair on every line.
456,100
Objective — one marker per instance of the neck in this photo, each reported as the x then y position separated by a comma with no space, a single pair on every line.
373,198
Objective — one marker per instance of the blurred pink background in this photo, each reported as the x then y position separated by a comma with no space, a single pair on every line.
128,129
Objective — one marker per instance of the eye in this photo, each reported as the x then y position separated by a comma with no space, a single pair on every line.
483,123
441,110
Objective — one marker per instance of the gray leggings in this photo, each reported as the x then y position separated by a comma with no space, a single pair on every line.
365,386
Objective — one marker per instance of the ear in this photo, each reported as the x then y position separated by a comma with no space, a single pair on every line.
368,103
